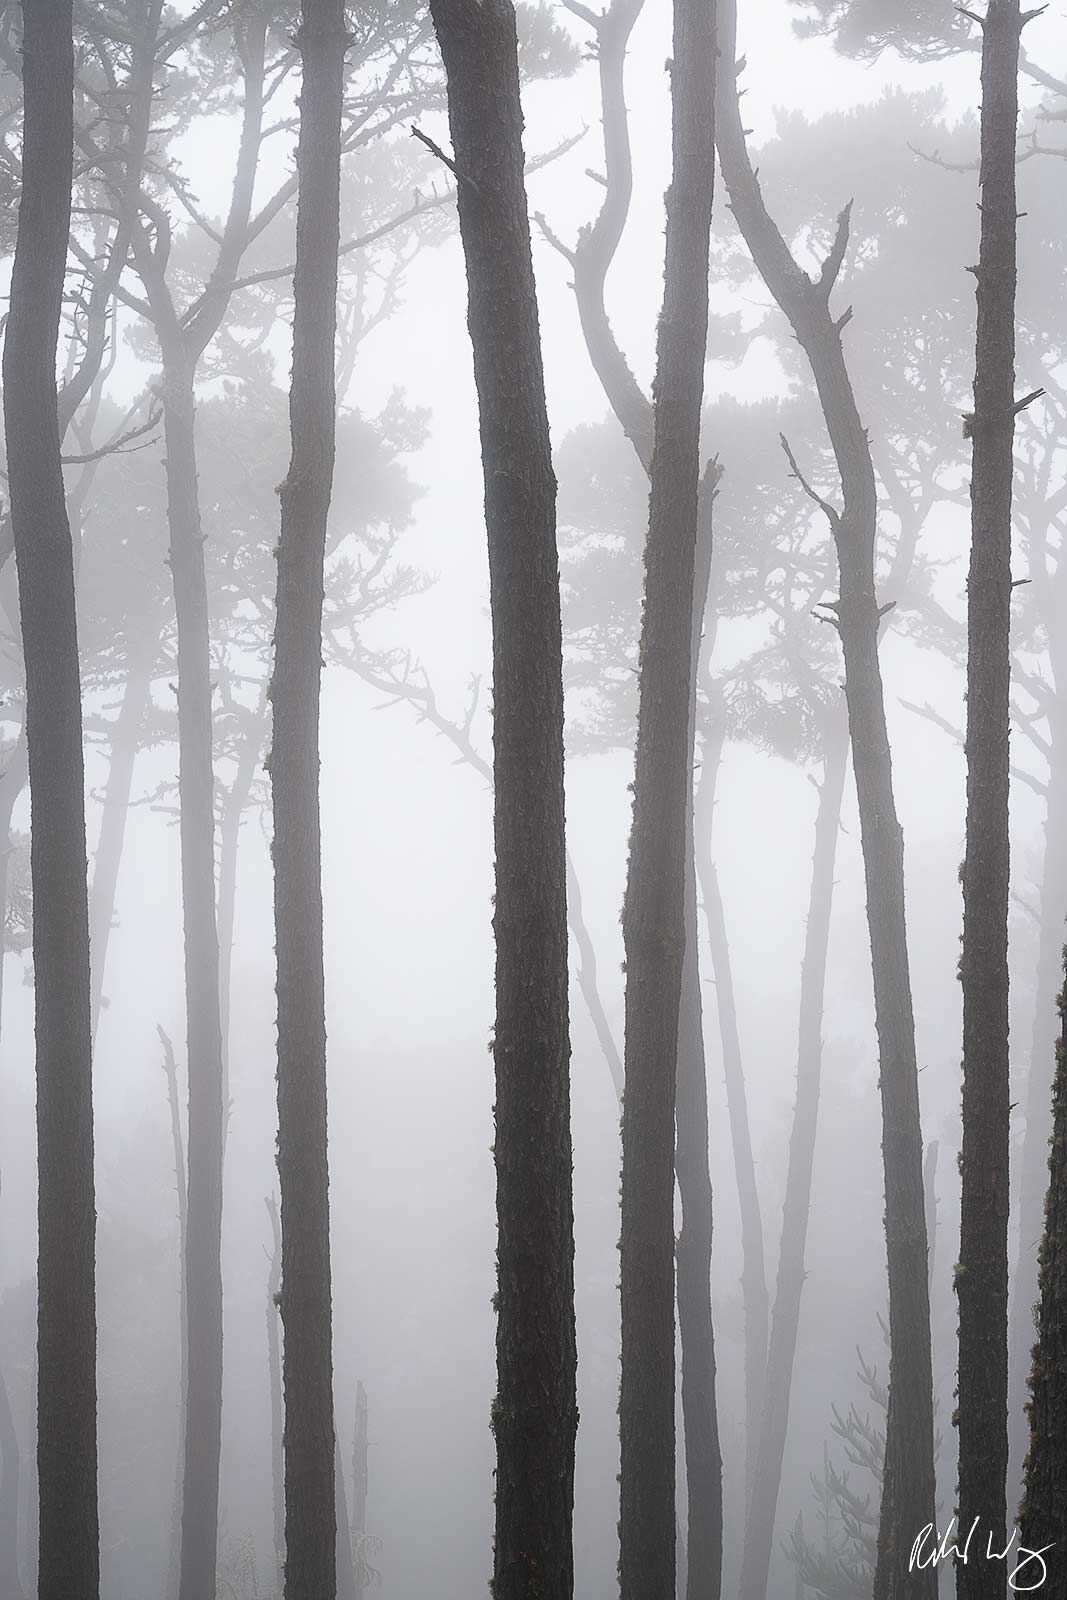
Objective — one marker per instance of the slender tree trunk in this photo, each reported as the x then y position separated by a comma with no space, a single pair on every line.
125,743
1034,1158
360,1477
203,1263
1043,1518
767,1477
12,782
702,1551
66,1390
303,1163
908,1491
170,1072
654,928
10,1582
535,1411
754,1297
982,1278
274,1372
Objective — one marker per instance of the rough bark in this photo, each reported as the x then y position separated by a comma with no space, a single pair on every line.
982,1277
303,1170
1043,1517
654,929
535,1410
908,1486
702,1551
774,1419
69,1567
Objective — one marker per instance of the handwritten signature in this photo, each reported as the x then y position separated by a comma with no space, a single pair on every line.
1030,1566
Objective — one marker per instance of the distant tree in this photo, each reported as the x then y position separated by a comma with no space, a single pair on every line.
908,1490
303,1162
535,1412
69,1560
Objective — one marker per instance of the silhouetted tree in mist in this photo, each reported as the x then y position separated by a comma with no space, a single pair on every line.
303,1170
69,1554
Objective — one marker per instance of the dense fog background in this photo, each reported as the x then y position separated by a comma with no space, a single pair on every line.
408,871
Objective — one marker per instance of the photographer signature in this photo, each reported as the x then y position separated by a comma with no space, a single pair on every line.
1029,1567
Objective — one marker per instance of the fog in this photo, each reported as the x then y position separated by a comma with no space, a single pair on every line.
407,811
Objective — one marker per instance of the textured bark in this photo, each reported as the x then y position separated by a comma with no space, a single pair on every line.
774,1420
125,742
535,1411
908,1485
303,1170
1043,1518
702,1552
69,1566
982,1277
654,929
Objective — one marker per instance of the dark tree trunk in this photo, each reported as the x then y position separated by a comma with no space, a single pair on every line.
908,1492
125,743
535,1411
767,1475
1043,1518
66,1389
307,1345
203,1265
654,927
702,1551
982,1277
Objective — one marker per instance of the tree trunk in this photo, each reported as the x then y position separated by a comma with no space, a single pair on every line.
66,1390
203,1266
755,1301
908,1491
654,927
12,781
125,743
535,1410
10,1582
303,1170
1043,1518
767,1476
702,1552
1033,1162
274,1373
170,1072
982,1276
